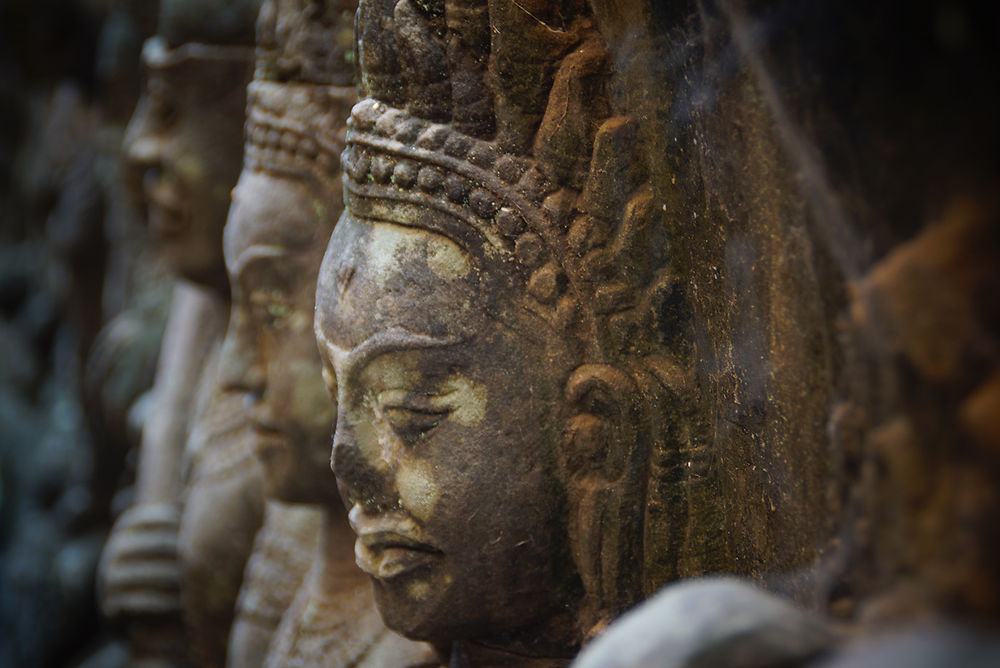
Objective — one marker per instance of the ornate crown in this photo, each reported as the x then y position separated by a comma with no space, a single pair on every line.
565,243
396,162
302,87
292,126
507,129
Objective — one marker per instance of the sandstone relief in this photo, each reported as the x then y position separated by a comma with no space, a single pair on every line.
532,333
174,562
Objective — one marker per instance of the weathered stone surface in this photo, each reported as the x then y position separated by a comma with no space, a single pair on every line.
720,195
921,646
483,366
624,293
283,552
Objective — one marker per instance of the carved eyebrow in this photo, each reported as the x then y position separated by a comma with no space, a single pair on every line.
256,253
394,339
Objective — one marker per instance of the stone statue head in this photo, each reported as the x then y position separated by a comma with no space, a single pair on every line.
492,313
285,205
184,141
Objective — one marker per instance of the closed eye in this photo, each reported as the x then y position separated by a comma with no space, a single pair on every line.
412,423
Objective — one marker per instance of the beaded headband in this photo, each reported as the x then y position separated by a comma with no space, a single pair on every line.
397,166
293,126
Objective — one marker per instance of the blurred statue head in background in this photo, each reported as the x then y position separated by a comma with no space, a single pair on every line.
284,208
286,204
184,141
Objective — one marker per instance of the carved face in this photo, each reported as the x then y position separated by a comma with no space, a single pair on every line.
274,242
184,145
445,440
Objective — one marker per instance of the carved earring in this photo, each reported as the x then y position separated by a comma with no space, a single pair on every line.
599,397
603,463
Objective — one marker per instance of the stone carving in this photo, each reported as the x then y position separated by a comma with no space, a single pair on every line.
60,236
800,202
283,552
141,573
809,188
179,552
493,314
284,207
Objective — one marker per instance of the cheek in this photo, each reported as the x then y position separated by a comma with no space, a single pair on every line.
307,395
417,489
469,399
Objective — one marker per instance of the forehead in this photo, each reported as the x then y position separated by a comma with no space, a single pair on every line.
275,211
210,68
378,276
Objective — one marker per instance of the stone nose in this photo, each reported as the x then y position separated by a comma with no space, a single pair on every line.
241,368
144,149
360,481
144,144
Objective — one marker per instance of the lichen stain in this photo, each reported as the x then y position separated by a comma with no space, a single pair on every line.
390,248
366,436
419,590
446,259
191,168
394,371
468,398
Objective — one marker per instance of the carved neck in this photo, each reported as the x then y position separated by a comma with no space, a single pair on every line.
549,645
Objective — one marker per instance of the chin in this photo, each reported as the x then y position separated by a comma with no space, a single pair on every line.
191,260
280,483
185,268
274,489
426,617
460,610
406,619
